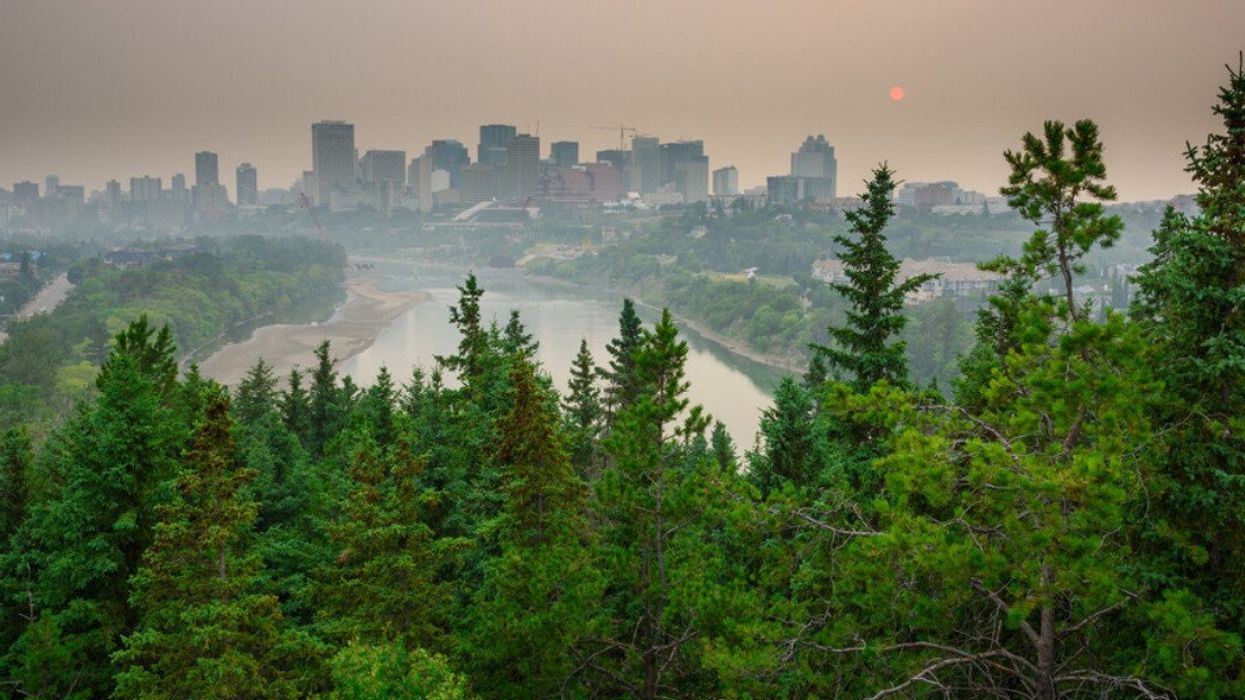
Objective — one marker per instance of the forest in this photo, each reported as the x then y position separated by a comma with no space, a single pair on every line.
1065,521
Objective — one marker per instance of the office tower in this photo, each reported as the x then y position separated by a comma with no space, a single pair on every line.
246,187
332,158
481,183
73,193
726,181
493,140
383,166
816,164
112,195
144,189
691,178
564,153
51,186
678,152
607,181
206,172
177,189
645,164
25,193
384,174
448,155
522,170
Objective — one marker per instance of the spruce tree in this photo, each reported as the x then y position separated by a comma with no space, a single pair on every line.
256,393
621,382
516,340
295,407
1189,301
863,347
16,460
325,409
787,429
474,347
539,594
202,629
583,410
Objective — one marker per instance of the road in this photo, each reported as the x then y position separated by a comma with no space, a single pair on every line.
47,299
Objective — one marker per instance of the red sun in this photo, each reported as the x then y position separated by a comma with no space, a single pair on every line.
897,93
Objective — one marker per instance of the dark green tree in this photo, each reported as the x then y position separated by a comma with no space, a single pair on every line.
584,412
621,382
256,393
295,407
516,340
202,629
325,401
863,348
788,454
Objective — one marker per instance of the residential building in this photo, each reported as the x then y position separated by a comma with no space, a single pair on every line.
206,170
246,185
726,181
25,193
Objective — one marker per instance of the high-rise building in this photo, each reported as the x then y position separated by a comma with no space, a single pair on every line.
522,171
691,178
51,186
481,183
493,141
645,164
726,181
383,166
177,189
112,195
783,189
449,155
73,193
332,157
206,171
25,193
246,188
384,173
564,153
816,164
144,189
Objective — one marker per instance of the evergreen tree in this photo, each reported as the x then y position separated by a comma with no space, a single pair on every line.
392,672
379,403
540,591
1065,193
655,508
111,464
295,408
516,340
1188,300
474,347
723,447
256,393
621,382
325,401
863,347
202,630
584,412
16,460
787,429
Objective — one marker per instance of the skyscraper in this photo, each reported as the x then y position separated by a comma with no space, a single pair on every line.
815,162
522,170
25,193
332,157
178,187
384,173
247,185
206,172
645,164
564,153
684,165
51,186
493,140
144,189
449,155
726,181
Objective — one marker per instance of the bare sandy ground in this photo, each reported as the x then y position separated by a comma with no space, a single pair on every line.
352,329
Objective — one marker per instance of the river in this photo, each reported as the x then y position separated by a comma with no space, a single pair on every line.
731,388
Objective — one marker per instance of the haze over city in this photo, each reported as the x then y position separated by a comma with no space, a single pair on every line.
95,91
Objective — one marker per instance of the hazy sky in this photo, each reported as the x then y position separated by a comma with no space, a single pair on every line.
92,90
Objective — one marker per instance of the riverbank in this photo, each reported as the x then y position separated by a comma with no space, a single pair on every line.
352,328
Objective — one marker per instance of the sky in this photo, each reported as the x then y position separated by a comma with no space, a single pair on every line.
93,90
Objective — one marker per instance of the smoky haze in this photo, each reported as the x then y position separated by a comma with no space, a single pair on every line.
92,90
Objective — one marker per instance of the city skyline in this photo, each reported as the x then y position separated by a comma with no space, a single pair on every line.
81,106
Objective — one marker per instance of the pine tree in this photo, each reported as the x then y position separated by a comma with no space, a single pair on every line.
723,447
474,347
1065,194
621,381
202,630
16,460
863,347
379,403
539,594
584,412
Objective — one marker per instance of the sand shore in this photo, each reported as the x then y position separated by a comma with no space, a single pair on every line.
352,329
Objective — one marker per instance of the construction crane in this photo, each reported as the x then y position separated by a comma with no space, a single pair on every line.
623,130
306,204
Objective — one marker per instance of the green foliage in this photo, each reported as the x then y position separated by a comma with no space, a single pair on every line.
391,672
863,347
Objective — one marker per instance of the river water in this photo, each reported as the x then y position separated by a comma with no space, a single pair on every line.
731,388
